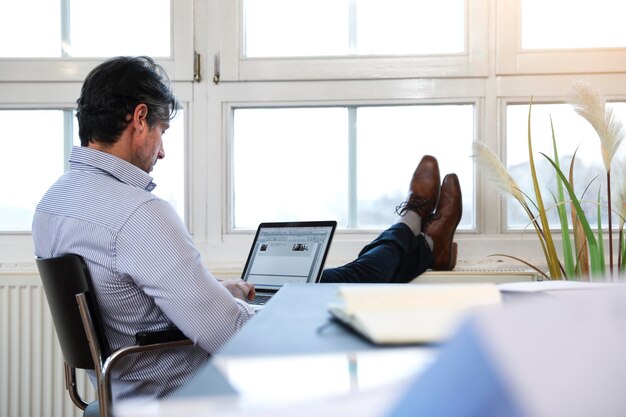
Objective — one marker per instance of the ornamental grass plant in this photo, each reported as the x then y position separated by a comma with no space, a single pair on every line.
582,254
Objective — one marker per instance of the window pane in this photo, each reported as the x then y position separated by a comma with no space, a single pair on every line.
293,28
571,132
391,142
142,27
410,27
295,164
169,173
35,28
289,164
557,24
30,28
353,27
30,161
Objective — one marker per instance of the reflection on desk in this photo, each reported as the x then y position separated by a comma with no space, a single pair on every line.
271,384
263,380
374,403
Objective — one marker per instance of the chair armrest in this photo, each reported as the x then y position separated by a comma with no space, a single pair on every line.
160,336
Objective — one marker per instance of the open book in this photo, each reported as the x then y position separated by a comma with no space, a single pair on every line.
400,313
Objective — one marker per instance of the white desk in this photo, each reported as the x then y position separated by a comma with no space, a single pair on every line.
518,360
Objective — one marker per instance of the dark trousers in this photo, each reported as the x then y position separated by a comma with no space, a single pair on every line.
395,256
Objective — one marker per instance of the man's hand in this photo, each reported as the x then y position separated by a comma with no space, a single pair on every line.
240,289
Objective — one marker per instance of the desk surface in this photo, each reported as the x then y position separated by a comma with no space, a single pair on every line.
351,366
295,322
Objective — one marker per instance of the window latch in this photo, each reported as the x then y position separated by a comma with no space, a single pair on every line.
216,69
197,74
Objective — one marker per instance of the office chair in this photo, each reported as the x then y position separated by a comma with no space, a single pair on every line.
69,291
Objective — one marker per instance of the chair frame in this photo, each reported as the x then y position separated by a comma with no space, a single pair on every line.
103,364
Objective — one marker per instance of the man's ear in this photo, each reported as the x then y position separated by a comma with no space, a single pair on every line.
140,116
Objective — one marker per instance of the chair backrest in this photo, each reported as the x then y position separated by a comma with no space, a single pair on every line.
64,277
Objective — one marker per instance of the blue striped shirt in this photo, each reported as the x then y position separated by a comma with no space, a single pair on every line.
146,271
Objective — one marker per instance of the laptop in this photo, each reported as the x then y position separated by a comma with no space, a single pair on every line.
287,252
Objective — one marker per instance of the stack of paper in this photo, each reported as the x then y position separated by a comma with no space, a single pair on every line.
400,314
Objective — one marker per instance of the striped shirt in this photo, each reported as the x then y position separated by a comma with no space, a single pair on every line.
146,271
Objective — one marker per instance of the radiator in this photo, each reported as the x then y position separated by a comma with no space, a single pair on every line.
467,275
32,380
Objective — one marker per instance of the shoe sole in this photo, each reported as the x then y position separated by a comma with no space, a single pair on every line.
453,251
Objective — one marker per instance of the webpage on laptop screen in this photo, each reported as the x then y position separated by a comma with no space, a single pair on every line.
284,256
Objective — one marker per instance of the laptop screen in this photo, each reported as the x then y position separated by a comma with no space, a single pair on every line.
289,252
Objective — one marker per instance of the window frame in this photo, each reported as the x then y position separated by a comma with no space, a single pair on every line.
17,246
179,66
229,107
511,59
233,66
208,29
328,93
554,90
55,83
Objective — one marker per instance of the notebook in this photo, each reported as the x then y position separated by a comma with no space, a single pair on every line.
287,252
409,313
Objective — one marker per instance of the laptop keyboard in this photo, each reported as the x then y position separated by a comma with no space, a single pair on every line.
260,299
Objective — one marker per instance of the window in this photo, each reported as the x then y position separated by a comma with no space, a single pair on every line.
353,27
19,23
35,157
32,172
284,40
49,48
63,40
559,36
170,173
572,134
351,164
89,20
285,92
74,28
563,24
346,159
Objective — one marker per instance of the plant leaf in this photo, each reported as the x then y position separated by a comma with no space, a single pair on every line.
621,247
568,259
597,264
600,234
551,257
491,167
524,262
580,241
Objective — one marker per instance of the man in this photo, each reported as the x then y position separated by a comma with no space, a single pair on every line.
146,271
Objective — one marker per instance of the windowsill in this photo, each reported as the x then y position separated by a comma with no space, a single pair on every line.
227,257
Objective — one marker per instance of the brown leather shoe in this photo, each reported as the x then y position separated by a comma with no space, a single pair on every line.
442,224
424,189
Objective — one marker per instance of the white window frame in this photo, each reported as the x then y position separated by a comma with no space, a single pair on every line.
179,65
439,94
518,90
55,83
233,66
229,248
511,59
209,28
17,246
